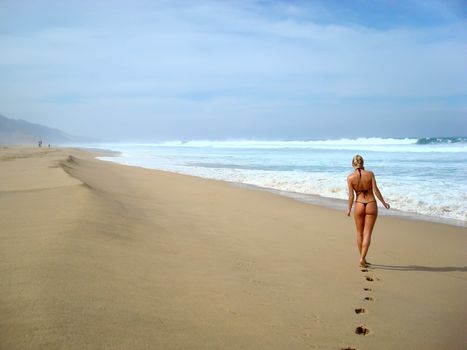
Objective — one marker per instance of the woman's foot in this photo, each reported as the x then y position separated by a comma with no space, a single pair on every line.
364,263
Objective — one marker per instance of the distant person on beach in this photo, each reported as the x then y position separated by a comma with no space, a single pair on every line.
363,183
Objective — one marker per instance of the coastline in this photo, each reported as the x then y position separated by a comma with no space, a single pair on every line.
327,202
409,180
101,255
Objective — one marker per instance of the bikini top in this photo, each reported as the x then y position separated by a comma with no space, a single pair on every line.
365,192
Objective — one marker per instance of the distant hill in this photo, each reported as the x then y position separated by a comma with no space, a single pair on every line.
13,131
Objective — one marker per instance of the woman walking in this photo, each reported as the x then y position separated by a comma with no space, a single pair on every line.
363,183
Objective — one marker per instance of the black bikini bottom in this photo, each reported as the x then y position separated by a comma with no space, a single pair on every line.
364,204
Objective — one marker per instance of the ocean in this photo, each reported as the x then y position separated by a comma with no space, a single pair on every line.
421,178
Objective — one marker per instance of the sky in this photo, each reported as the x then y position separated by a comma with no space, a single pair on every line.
180,70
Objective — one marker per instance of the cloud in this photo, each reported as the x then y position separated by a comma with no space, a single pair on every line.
177,66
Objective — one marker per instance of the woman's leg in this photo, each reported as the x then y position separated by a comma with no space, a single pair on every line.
371,214
359,216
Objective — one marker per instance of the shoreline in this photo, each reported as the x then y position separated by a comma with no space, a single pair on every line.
96,255
327,202
341,205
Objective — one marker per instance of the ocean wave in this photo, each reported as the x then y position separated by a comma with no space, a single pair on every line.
377,144
357,145
295,144
440,140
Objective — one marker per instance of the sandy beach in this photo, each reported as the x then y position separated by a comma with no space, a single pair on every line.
96,255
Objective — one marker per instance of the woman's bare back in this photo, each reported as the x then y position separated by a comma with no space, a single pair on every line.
362,183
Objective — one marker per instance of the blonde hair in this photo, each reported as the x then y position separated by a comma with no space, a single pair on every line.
357,162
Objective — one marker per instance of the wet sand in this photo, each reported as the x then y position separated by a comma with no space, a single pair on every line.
96,255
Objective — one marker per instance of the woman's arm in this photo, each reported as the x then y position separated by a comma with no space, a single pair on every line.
377,192
351,196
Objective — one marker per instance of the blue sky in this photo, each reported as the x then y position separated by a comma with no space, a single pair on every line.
152,70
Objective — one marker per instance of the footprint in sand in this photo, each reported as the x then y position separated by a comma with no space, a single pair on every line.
362,330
